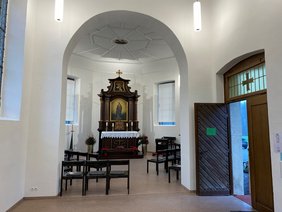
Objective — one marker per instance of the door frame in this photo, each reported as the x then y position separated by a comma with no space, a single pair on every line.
246,65
251,150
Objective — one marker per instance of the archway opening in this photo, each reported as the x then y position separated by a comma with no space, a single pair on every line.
110,66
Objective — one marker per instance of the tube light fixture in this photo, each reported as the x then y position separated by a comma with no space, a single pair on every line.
59,10
197,16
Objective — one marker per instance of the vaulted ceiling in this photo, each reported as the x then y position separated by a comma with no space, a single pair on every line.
125,41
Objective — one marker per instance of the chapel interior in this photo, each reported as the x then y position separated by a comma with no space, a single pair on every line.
102,107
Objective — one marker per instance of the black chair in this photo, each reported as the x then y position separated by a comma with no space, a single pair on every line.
74,155
159,158
100,171
175,167
115,171
68,173
93,155
161,144
171,141
173,156
71,155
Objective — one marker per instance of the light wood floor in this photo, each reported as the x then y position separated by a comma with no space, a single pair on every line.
148,192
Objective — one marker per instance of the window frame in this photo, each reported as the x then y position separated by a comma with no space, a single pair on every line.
242,66
3,31
168,123
75,102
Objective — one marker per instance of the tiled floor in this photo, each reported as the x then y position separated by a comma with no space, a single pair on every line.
148,193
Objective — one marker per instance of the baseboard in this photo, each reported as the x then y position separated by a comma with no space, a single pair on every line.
30,198
41,197
15,205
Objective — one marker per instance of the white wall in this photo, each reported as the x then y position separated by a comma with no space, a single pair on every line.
12,157
83,128
13,121
44,56
241,27
154,73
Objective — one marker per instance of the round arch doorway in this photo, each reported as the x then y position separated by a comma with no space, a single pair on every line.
180,58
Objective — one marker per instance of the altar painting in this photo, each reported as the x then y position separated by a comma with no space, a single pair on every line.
119,110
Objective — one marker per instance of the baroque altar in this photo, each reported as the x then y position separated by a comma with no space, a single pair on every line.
118,125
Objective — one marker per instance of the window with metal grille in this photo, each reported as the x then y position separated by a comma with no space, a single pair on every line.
246,78
248,81
3,18
166,103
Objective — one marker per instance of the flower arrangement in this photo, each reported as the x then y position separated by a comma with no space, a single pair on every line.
90,140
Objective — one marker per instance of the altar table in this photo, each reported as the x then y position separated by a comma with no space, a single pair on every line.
120,144
119,134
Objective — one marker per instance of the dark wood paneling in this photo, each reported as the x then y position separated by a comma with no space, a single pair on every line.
212,151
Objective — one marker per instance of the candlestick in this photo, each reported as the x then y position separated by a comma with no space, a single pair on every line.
71,140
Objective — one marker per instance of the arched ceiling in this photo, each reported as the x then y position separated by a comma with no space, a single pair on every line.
130,39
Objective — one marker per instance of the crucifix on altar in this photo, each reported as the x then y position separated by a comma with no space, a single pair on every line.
248,81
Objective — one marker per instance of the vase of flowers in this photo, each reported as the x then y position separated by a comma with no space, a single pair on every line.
143,140
90,141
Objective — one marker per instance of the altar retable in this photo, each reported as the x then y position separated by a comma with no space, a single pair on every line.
118,125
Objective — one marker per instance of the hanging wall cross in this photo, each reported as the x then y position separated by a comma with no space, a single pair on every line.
119,73
248,81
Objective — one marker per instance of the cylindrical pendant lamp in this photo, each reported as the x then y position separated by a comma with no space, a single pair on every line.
59,10
197,16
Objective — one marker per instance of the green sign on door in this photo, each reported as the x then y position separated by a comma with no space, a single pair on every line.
211,131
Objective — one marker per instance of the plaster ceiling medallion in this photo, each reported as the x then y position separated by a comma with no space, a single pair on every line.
123,42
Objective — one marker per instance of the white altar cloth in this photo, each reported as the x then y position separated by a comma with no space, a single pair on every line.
119,134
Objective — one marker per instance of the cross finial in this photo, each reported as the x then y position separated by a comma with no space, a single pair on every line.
119,73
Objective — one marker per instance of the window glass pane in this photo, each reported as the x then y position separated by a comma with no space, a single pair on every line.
166,103
70,104
248,81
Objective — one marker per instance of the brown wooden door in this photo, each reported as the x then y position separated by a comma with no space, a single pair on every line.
259,149
212,149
